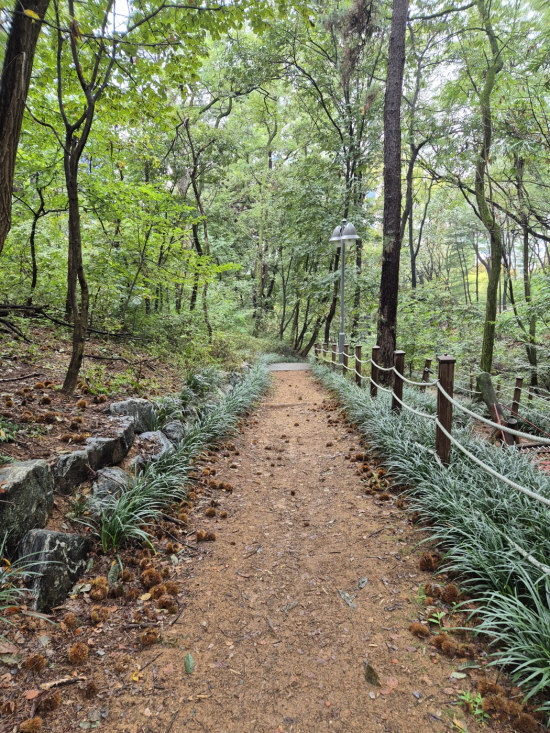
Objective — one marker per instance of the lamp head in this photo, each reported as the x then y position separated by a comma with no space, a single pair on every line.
349,232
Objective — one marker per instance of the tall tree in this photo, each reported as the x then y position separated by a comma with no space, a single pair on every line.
25,27
391,236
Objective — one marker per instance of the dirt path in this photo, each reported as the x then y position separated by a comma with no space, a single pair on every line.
276,647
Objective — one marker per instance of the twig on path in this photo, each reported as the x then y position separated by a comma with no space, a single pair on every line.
151,662
140,625
175,620
173,721
61,682
258,549
373,534
27,376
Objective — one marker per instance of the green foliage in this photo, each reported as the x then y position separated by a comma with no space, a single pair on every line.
475,519
8,430
127,515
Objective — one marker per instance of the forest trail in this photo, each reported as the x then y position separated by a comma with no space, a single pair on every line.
276,647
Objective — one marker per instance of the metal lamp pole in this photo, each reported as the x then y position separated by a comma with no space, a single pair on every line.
342,234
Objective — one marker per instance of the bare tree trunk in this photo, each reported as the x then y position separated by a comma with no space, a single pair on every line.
14,87
391,247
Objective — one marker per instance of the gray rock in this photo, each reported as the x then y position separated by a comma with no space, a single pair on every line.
58,559
174,431
111,481
141,411
109,451
27,497
71,470
156,441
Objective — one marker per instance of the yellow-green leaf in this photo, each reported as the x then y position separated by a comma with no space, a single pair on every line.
31,14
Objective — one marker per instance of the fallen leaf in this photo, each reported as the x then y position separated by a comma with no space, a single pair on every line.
145,597
31,694
347,598
458,675
8,649
371,675
459,724
137,676
189,663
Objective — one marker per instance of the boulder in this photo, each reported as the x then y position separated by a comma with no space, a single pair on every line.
58,559
27,497
109,451
71,469
111,481
141,411
156,444
174,431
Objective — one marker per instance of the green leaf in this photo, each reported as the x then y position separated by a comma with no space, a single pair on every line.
189,663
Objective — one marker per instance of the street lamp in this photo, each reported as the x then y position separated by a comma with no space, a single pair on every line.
342,234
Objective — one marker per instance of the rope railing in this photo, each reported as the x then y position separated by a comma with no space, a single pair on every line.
443,419
491,471
491,423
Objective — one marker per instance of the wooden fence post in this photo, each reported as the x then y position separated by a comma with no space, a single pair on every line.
530,394
426,373
334,351
445,408
374,371
358,372
517,396
345,360
317,351
399,364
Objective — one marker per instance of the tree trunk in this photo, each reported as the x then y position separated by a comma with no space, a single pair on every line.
76,277
485,214
14,87
391,247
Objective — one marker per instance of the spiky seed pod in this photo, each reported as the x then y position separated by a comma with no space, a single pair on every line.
165,572
449,648
35,663
525,723
171,588
82,404
487,687
78,653
183,517
27,416
99,593
148,637
132,561
157,591
450,594
200,535
32,725
419,630
132,594
145,563
210,512
40,385
48,383
70,620
91,689
9,402
45,400
151,577
165,601
431,589
127,576
223,514
50,417
99,614
429,561
210,537
440,639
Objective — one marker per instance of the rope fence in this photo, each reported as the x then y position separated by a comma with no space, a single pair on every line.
446,403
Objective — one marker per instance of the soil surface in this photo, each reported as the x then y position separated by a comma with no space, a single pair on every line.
275,644
295,620
38,421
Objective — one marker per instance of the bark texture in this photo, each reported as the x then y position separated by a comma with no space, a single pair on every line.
14,87
389,282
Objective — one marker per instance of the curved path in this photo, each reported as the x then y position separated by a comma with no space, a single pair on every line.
276,646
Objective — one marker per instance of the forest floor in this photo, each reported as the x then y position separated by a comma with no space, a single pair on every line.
296,618
42,420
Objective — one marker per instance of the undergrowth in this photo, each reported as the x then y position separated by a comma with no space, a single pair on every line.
474,518
127,515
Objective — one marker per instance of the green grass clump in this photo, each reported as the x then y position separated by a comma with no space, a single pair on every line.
126,515
474,518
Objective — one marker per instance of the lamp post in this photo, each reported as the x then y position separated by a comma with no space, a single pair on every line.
342,234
